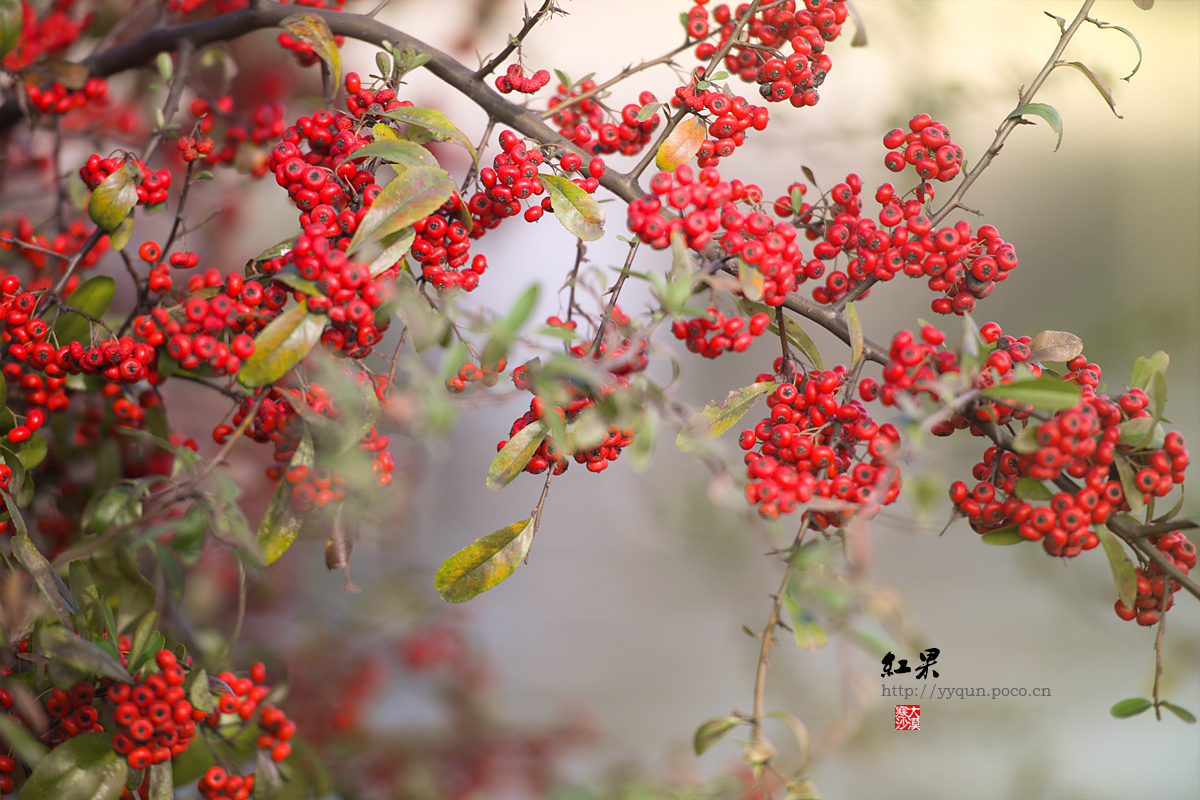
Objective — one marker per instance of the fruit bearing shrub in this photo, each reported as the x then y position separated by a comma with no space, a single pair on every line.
107,688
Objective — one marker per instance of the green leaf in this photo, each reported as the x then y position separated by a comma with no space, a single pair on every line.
395,246
84,767
795,334
37,566
415,193
92,297
1100,85
1133,495
293,279
577,210
25,745
712,730
1026,441
11,18
808,632
713,419
1003,536
86,598
115,197
1048,394
751,280
166,67
512,458
281,523
282,345
268,785
681,144
120,237
484,563
793,724
383,63
396,151
641,452
1032,489
1179,711
1123,575
1143,368
314,31
198,693
80,654
1142,4
648,111
162,784
856,333
1156,392
1057,346
428,124
140,647
1044,111
507,328
1130,708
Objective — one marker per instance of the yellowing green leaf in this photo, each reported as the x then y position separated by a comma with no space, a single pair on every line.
1100,85
281,523
1057,346
484,563
1049,394
115,197
1123,575
751,279
713,419
711,731
282,345
682,143
415,193
577,210
513,457
427,124
396,151
314,31
856,333
1003,536
808,632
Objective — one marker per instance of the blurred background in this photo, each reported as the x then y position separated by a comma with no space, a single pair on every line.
592,666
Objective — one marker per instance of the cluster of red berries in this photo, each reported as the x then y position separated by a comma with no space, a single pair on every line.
265,125
371,103
1150,604
962,265
926,146
443,249
469,372
154,718
217,784
58,99
151,190
49,36
796,78
7,768
733,334
193,148
731,117
514,80
245,699
808,448
65,243
586,123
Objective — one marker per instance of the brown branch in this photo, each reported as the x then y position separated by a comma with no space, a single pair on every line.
616,290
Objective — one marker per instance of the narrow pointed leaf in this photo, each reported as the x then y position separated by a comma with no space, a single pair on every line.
513,457
1100,85
1057,346
795,334
1179,711
714,418
484,563
120,237
577,210
1003,536
396,151
808,632
856,333
799,731
282,345
1145,6
1156,391
281,523
1048,113
92,297
40,570
396,245
1043,393
682,143
80,654
430,124
82,768
1123,575
1133,495
415,193
751,279
1130,708
315,32
11,17
1143,368
22,741
1032,489
711,731
115,197
198,693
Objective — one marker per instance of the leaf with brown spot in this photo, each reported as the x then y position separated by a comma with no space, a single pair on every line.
682,143
1057,346
314,31
415,193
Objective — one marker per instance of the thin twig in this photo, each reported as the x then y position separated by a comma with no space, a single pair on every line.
580,251
612,304
536,514
515,41
620,76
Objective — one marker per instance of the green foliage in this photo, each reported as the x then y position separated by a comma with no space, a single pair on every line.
712,731
714,418
115,197
415,193
577,210
484,563
93,298
1048,113
282,345
314,31
512,458
682,144
82,768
